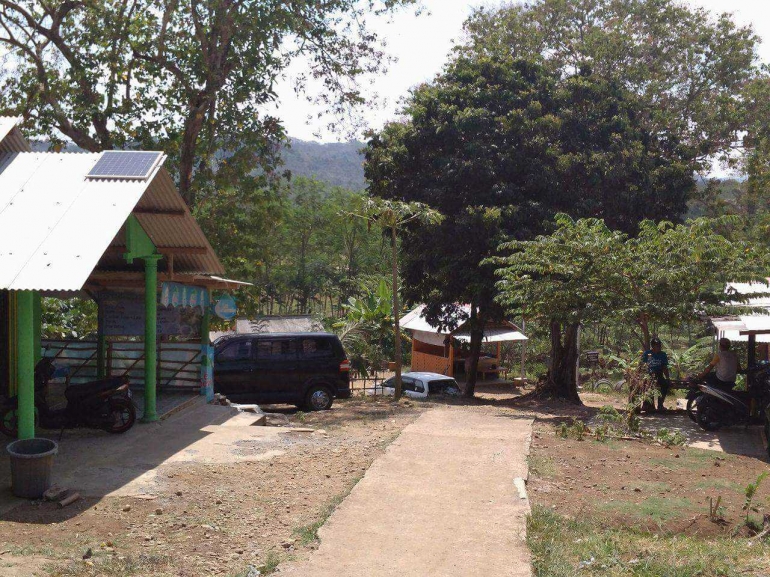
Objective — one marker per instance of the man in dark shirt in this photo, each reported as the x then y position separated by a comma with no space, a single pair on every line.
657,365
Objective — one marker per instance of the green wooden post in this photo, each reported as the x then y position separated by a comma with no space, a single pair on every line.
206,321
37,327
150,337
25,358
101,342
207,360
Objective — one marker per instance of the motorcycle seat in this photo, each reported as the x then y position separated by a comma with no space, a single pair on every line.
83,390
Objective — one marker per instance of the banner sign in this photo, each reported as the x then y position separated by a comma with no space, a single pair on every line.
225,308
173,294
122,315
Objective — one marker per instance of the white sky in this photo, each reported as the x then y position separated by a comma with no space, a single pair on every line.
421,45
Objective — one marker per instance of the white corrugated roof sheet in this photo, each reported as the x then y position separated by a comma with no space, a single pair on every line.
54,223
731,327
57,226
755,288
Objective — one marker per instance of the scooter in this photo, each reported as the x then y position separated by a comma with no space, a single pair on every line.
722,407
102,404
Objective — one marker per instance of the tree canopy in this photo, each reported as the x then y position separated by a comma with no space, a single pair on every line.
499,146
189,77
685,66
586,272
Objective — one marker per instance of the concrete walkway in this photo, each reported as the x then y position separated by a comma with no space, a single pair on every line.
442,501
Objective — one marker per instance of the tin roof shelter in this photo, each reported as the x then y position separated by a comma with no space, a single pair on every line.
88,222
442,351
752,327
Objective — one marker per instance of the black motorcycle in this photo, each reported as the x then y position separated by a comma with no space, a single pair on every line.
722,406
102,404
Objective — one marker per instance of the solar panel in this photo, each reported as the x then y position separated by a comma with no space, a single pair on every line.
125,164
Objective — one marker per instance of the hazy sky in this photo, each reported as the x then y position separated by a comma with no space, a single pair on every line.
421,45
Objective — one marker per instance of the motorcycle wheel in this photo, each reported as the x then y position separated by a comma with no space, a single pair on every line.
122,416
707,415
692,408
9,422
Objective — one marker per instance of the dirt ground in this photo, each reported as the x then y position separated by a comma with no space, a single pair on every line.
214,519
639,484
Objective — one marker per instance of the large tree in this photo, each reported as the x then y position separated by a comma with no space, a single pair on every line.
192,77
586,272
499,146
685,65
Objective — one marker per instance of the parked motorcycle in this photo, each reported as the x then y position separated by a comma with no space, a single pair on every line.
102,404
721,407
693,396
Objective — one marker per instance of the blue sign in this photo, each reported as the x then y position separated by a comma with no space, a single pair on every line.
225,308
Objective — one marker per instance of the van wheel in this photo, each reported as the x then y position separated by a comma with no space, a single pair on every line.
318,398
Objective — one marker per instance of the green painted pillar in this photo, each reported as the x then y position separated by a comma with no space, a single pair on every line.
206,322
25,359
101,342
37,327
150,337
207,352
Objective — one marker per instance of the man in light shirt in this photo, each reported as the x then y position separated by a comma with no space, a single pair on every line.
723,368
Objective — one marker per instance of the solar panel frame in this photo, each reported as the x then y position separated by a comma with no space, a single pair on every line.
125,165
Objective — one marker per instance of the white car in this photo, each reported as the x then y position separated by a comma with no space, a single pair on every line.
418,385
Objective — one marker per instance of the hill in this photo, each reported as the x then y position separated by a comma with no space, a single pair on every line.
338,163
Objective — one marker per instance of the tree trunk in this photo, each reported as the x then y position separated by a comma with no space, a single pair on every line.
396,325
562,378
644,324
477,336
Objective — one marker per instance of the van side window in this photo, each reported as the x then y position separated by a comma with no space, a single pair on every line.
407,384
317,349
276,350
240,351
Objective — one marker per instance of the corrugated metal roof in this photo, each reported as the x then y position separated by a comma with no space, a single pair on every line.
169,231
279,324
54,224
11,139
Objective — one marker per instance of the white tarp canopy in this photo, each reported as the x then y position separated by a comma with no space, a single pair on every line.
732,327
499,335
427,333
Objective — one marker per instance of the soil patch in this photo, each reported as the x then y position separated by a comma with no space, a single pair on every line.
217,519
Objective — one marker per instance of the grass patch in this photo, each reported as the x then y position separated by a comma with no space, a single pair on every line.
658,509
309,533
693,459
143,564
271,563
720,484
564,547
541,466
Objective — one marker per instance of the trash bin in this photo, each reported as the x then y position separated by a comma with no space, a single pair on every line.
31,464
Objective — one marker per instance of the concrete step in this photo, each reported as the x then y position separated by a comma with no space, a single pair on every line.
244,419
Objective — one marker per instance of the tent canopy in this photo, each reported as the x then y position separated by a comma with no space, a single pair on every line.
414,321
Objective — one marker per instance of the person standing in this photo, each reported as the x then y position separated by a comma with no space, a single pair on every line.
657,366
